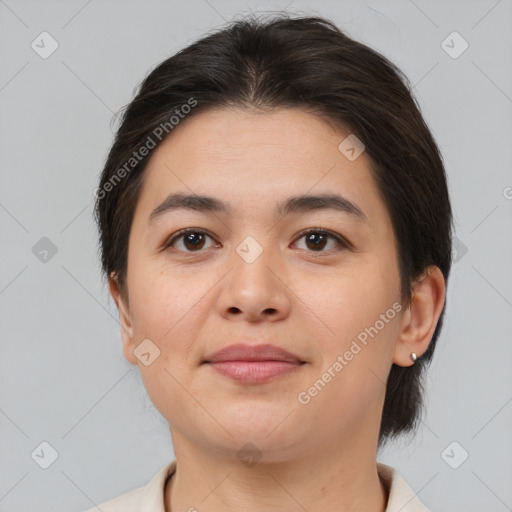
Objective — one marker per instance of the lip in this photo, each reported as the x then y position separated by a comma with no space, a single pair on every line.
253,364
245,352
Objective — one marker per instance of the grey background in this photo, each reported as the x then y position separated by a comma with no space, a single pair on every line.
63,378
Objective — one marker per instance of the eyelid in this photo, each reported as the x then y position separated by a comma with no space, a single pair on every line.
182,232
340,240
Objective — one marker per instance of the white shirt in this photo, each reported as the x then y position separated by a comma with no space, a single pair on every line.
150,498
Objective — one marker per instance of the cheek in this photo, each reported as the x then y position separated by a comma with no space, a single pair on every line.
171,312
359,323
161,303
345,303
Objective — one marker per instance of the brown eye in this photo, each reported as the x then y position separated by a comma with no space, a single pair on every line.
193,240
317,240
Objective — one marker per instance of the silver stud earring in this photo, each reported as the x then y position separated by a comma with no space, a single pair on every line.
414,357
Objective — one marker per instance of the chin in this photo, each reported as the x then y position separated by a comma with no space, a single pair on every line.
268,430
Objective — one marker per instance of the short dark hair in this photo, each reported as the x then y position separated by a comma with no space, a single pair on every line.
306,63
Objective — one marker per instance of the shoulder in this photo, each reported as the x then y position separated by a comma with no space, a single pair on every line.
401,497
128,502
149,497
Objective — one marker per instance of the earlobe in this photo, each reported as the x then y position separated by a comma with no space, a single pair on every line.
420,319
125,322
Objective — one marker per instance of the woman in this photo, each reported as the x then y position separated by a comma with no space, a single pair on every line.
275,227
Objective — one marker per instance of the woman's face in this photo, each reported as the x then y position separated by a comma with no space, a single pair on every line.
255,274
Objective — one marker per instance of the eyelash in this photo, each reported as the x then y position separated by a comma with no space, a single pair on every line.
341,242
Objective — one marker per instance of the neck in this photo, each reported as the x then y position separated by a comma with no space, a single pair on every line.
336,479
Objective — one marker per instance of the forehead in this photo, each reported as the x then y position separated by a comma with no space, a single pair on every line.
255,160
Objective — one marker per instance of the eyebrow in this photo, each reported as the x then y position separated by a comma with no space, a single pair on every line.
295,204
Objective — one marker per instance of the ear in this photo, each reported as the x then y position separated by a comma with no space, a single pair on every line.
127,336
419,321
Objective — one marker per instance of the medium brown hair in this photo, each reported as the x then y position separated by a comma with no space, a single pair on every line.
307,63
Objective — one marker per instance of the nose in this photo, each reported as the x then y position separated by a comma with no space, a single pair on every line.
254,291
